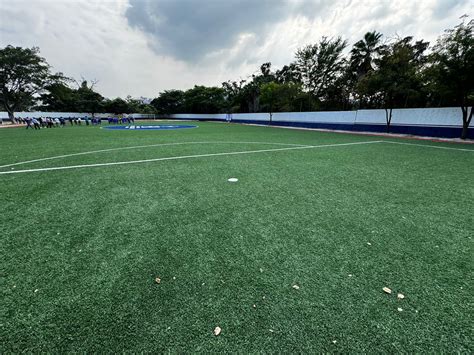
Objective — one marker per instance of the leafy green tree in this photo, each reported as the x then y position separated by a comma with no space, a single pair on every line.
362,62
288,74
116,106
452,70
398,75
320,65
276,97
364,52
202,99
269,93
87,100
58,97
169,102
23,74
138,106
234,96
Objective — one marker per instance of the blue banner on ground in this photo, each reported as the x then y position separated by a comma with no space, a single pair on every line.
154,127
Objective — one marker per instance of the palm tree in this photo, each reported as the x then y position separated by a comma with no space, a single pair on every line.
364,52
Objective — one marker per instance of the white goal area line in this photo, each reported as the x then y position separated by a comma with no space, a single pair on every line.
298,147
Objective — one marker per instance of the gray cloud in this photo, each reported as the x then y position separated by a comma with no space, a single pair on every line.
190,30
145,47
444,7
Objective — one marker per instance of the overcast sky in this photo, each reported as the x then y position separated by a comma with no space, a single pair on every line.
141,47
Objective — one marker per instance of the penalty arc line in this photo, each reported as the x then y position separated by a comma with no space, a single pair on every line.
182,157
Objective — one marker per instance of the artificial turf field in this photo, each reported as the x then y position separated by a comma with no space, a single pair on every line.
81,248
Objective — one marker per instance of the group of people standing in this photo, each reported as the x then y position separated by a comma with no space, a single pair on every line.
42,122
117,120
50,122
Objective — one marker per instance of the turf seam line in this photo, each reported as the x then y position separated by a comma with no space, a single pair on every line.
139,147
183,157
430,146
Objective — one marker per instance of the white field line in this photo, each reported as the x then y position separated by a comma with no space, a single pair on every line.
182,157
139,147
430,146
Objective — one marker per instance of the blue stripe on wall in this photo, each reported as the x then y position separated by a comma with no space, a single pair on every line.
418,130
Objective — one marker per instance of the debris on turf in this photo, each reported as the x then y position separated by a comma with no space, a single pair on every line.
399,309
334,341
296,287
174,277
271,330
36,290
387,290
157,280
233,180
254,306
261,270
368,243
400,296
350,275
217,331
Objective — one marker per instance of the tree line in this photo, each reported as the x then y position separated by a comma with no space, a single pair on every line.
375,73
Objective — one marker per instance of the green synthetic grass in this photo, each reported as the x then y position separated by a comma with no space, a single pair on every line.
80,248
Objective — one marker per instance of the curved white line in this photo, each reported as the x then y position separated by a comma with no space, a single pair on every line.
138,147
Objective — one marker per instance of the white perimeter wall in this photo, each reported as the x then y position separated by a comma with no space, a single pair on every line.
445,116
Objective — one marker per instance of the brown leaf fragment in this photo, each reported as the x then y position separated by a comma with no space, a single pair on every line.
157,280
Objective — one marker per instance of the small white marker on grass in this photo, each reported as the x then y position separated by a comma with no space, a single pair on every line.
232,180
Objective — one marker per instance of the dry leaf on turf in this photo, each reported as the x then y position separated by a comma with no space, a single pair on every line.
400,296
217,331
387,290
157,280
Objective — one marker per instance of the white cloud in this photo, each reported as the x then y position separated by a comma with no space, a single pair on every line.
94,39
